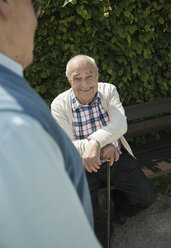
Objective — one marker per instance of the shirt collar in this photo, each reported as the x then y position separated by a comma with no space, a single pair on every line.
76,104
11,64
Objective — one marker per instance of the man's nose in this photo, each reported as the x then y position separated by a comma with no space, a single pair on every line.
84,82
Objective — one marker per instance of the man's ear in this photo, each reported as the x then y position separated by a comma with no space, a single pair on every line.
4,9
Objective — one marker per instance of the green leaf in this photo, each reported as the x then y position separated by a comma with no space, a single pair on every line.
42,89
120,31
43,74
120,72
129,39
132,28
37,89
121,85
127,13
161,20
147,10
124,79
118,10
52,19
79,21
109,70
139,48
50,42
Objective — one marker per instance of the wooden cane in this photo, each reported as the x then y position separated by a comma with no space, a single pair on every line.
108,204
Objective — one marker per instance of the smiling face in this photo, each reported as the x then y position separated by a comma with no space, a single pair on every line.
83,77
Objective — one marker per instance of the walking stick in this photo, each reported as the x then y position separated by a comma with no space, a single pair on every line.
108,204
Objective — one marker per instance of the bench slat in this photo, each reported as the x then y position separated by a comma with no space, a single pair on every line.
144,127
148,109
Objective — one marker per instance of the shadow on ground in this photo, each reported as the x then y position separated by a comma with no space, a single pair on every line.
148,229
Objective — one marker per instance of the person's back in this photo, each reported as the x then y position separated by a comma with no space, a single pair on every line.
41,195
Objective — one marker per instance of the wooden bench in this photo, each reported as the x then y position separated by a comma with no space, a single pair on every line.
155,158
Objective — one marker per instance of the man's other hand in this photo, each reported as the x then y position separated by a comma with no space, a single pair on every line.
111,153
91,157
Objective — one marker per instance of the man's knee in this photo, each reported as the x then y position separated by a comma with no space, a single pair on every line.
146,193
147,197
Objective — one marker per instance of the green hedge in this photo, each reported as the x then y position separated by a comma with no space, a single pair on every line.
129,40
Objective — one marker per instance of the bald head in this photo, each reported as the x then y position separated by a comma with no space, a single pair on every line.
17,27
79,59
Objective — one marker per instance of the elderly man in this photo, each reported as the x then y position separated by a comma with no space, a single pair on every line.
93,117
43,184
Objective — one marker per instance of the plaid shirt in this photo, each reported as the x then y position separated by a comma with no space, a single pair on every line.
88,118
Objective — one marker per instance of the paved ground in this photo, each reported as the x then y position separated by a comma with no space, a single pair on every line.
148,229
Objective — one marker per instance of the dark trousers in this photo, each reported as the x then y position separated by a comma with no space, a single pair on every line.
134,192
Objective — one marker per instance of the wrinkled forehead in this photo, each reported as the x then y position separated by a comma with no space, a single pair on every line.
81,66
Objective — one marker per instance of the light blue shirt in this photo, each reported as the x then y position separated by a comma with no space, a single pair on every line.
11,64
39,207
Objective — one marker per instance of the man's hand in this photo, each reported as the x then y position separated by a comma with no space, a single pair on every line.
91,157
110,152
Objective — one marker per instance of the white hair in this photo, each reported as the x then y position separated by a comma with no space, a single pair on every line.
92,61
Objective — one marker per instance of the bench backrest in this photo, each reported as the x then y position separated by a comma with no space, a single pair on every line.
148,109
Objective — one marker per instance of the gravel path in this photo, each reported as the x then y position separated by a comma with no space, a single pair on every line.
148,229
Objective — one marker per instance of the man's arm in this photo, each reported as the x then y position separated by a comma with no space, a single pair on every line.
63,116
38,201
117,126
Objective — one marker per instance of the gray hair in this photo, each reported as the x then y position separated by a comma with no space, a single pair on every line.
92,61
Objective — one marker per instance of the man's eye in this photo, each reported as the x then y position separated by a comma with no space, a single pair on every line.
76,79
89,77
